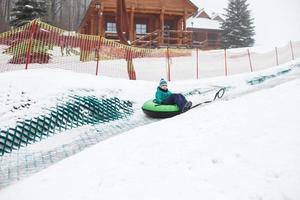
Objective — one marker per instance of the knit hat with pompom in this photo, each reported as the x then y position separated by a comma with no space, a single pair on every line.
162,82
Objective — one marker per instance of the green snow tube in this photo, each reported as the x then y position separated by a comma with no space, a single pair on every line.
155,110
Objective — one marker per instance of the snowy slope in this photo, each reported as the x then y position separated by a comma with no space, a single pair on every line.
243,148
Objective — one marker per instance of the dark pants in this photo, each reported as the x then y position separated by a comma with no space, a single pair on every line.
178,99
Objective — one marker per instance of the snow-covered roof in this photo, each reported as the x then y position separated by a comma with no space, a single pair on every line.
203,23
217,16
214,15
202,14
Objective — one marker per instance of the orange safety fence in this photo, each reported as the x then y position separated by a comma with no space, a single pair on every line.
40,45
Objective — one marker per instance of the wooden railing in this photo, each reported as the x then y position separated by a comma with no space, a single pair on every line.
149,40
207,44
161,38
111,35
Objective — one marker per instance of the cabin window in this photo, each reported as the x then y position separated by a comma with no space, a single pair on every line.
111,27
167,27
141,29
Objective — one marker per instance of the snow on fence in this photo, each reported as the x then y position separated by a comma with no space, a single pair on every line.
40,45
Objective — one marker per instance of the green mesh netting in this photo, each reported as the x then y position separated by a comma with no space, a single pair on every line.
261,79
78,111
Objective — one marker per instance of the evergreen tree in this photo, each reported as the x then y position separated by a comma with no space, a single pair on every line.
27,10
238,29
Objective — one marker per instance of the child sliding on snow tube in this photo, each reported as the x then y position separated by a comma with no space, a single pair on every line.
164,96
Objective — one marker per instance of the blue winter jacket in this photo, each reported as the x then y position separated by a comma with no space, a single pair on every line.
161,95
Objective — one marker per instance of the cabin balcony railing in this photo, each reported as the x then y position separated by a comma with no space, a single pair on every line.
111,35
159,38
147,40
207,44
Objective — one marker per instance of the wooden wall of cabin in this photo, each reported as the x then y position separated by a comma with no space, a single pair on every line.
210,38
152,14
152,20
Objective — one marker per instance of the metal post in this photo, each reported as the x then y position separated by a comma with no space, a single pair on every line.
292,50
276,54
250,60
197,54
99,13
168,62
28,53
98,47
225,58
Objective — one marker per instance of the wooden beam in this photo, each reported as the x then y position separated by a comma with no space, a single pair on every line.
162,25
98,23
184,19
132,31
177,12
101,22
179,27
93,31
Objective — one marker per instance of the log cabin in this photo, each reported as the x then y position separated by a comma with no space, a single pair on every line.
152,23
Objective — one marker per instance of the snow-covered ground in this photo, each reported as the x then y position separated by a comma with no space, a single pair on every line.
245,146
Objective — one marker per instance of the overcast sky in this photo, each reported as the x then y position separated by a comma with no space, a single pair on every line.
276,21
